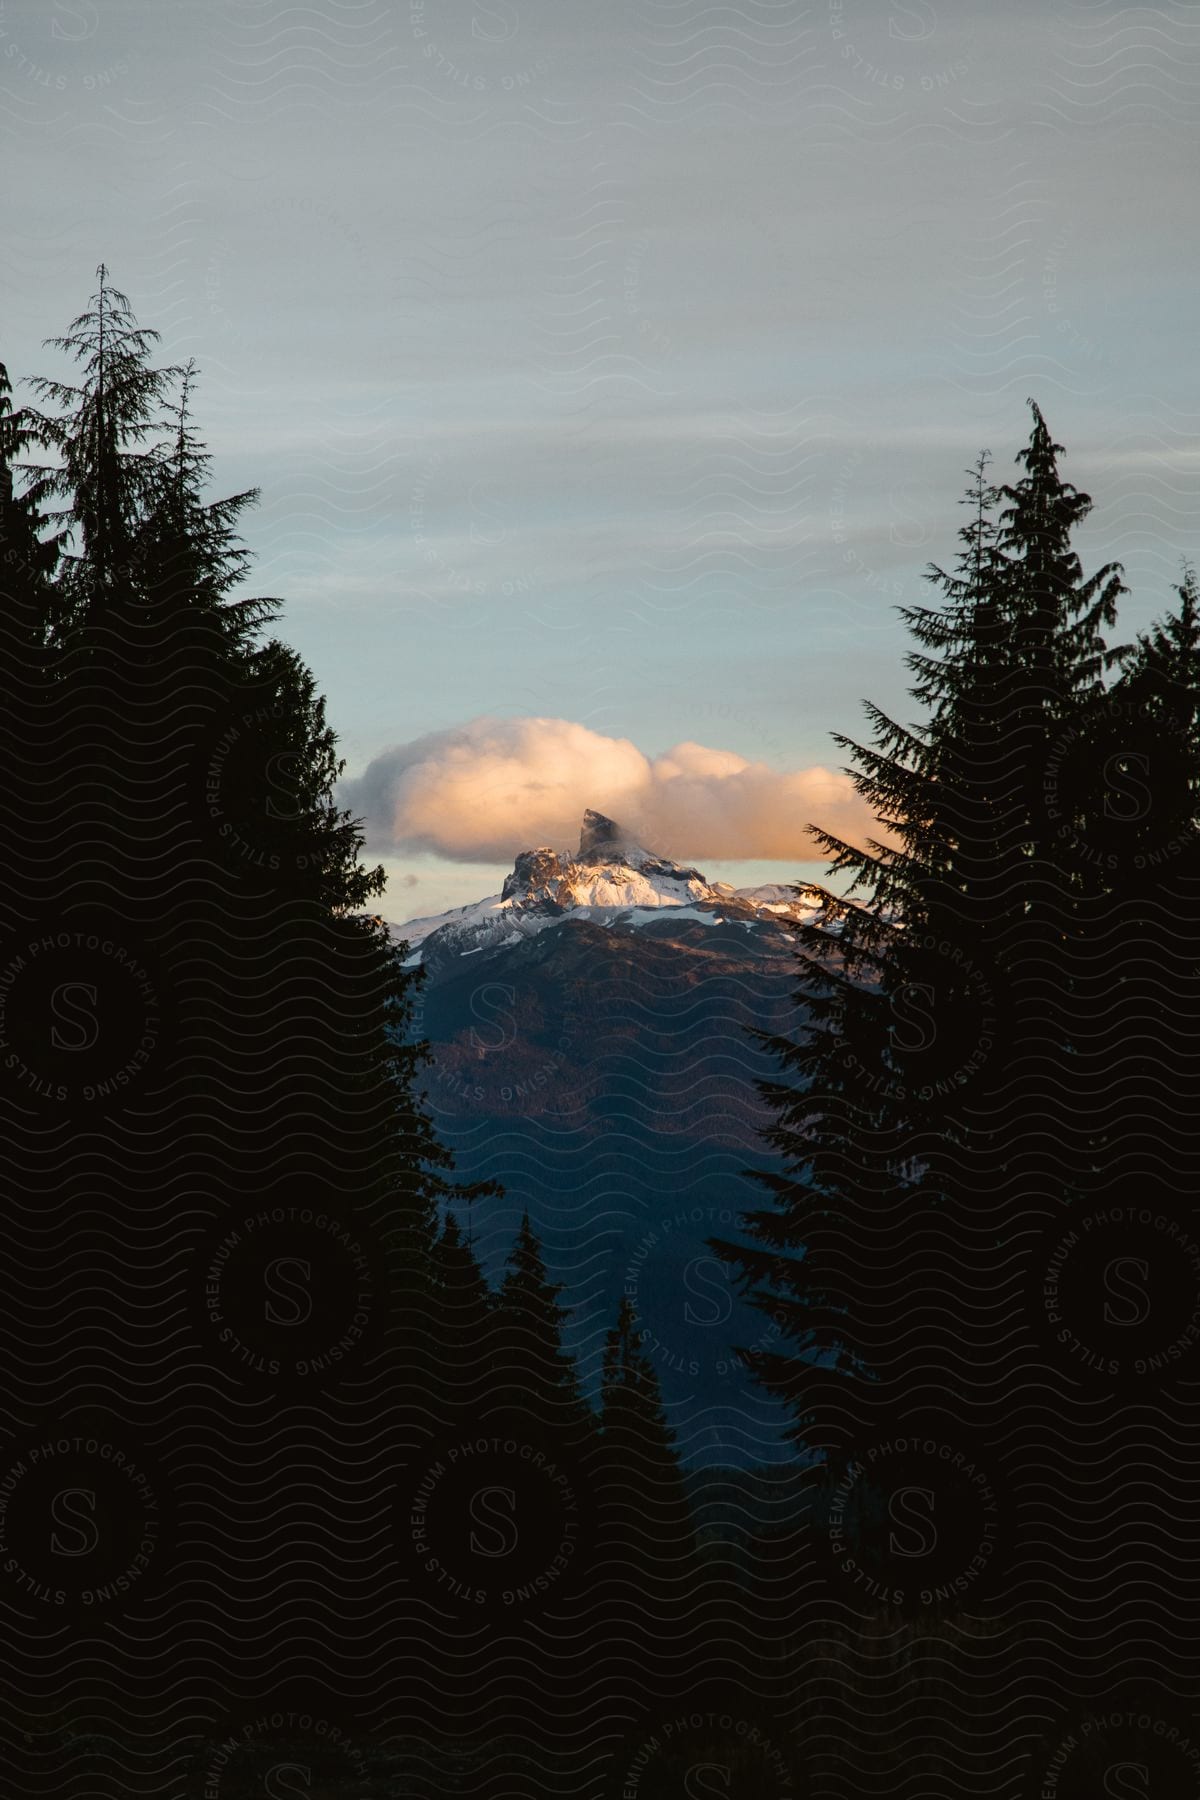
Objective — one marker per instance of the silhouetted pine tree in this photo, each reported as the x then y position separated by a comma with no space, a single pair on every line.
645,1520
873,1076
1137,772
105,473
1092,1133
28,560
1166,657
1150,777
920,995
535,1375
1000,1062
252,1053
463,1330
632,1416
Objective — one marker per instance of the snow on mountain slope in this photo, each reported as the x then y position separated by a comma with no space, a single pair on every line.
414,931
611,879
593,1053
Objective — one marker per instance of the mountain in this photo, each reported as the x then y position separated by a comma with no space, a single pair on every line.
590,1030
612,881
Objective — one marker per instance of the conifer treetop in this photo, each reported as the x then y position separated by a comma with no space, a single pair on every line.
106,471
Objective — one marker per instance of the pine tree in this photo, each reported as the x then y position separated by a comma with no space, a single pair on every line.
1058,615
953,1205
1168,652
283,1078
1157,717
191,541
644,1499
868,1086
632,1413
463,1329
1138,981
923,1009
161,655
28,559
106,474
537,1376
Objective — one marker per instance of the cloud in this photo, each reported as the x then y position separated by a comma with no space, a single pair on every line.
482,791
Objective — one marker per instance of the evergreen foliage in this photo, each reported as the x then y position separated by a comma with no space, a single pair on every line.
933,982
180,798
644,1497
987,1123
537,1374
463,1316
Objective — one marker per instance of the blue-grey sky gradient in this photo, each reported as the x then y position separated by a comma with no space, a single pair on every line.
619,362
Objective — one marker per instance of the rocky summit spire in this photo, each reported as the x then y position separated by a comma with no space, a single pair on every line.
598,833
611,875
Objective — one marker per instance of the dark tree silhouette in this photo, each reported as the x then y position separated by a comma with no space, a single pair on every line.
911,989
533,1371
28,562
646,1509
985,1085
210,1089
106,473
463,1329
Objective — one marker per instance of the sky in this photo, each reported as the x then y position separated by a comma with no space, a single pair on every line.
610,371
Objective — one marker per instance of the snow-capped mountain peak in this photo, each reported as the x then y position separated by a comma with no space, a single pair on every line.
609,870
613,880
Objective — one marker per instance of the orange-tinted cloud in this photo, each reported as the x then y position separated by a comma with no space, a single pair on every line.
482,791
